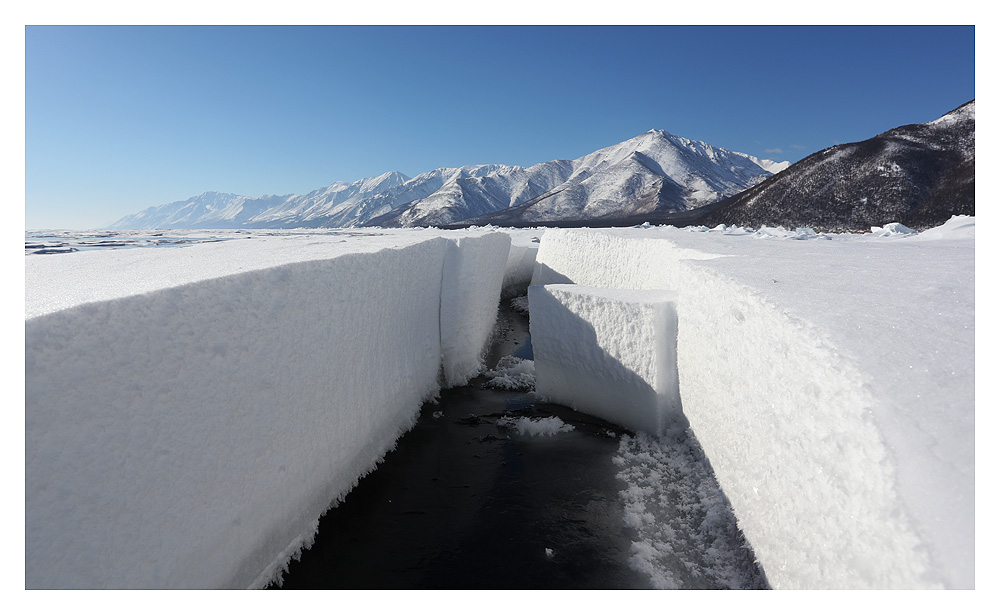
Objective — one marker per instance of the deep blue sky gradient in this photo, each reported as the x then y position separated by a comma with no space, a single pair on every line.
118,119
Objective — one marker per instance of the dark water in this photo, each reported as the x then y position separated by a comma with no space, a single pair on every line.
467,502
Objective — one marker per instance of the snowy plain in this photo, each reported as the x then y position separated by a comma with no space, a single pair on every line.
180,404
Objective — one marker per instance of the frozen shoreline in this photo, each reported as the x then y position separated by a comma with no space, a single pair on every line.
828,378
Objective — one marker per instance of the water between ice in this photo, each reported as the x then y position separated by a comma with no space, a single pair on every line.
468,500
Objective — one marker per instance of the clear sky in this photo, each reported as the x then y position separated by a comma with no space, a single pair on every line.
118,119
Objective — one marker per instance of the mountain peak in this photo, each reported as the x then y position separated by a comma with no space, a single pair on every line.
654,170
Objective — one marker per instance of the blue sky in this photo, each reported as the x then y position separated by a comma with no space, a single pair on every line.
118,119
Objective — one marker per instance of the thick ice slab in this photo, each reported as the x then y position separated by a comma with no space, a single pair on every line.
608,353
471,282
830,381
190,412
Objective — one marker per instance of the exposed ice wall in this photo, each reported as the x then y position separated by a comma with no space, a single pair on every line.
189,413
837,417
470,293
520,263
610,353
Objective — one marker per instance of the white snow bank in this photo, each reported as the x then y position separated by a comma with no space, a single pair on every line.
830,383
190,412
608,353
473,275
520,262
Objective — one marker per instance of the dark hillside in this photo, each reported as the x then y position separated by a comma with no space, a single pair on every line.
919,175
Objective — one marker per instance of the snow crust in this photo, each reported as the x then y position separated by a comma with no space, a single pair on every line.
608,353
190,412
830,381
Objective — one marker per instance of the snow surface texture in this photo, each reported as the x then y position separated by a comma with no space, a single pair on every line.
511,374
546,426
607,352
676,508
830,381
190,413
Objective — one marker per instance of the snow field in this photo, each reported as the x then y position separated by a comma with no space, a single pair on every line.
607,352
829,384
191,412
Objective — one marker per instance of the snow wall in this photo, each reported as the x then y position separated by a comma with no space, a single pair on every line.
191,412
809,454
610,353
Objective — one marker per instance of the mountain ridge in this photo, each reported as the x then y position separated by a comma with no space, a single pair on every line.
598,184
917,174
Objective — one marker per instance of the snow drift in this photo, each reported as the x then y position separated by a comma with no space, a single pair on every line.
830,384
190,413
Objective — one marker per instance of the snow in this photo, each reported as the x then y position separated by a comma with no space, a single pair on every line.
546,426
686,534
596,184
470,293
511,374
892,229
520,264
191,412
608,353
830,381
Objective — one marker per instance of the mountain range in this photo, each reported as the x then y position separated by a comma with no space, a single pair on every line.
655,171
918,174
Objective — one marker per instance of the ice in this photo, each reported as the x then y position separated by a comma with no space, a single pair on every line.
511,374
830,383
892,229
606,352
686,534
471,283
520,263
190,412
546,426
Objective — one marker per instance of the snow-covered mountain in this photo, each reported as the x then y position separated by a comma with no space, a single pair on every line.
328,206
207,210
918,174
655,171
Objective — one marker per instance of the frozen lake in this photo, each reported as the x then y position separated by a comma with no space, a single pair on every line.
62,242
467,501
